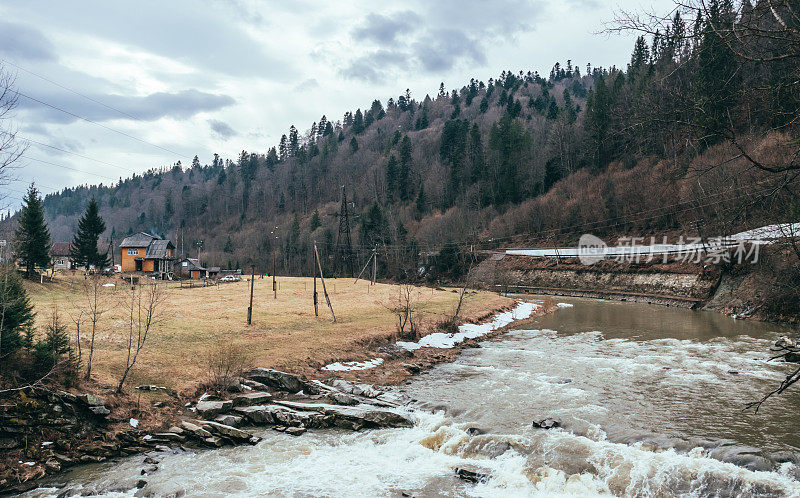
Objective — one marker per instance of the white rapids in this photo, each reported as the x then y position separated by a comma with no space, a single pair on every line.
649,399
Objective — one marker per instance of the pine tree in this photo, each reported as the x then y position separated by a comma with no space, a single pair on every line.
358,122
16,310
228,245
597,122
353,145
32,236
315,221
84,245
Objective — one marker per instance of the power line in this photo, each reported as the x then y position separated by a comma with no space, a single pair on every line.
70,168
76,154
100,124
5,61
131,116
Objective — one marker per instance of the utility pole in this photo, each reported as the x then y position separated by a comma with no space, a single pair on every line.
274,284
374,264
252,281
322,279
314,269
344,245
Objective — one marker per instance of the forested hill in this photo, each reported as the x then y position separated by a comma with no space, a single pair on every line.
519,157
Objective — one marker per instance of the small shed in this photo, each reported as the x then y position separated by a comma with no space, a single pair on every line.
193,268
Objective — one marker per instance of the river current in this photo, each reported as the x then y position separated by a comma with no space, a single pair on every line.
649,399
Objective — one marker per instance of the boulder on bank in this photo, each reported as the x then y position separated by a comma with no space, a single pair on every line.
279,380
366,415
210,409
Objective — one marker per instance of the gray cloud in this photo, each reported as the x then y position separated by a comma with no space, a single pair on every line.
19,41
222,129
179,105
384,30
207,38
308,84
375,66
441,49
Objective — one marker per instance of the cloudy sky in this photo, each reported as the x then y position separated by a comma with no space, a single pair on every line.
161,81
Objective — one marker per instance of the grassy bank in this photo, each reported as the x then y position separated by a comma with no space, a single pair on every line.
285,333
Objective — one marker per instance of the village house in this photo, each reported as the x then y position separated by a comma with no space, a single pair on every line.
147,253
59,254
192,268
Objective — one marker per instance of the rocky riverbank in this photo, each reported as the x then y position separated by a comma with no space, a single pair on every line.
43,432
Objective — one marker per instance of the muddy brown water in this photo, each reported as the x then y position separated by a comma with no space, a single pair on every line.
650,401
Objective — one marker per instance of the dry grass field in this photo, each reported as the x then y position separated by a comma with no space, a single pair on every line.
285,333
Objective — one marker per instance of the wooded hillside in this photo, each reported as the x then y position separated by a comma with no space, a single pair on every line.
699,128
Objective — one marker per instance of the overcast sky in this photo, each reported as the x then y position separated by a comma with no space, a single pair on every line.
205,76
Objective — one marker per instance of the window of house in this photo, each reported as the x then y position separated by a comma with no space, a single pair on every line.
133,252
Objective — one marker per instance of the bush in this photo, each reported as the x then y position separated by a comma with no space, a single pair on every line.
226,362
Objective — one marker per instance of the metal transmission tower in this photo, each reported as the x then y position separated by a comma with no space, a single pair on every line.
344,247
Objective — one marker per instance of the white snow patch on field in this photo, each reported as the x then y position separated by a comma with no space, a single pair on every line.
345,366
442,340
565,305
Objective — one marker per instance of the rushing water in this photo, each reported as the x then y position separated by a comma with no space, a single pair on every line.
650,400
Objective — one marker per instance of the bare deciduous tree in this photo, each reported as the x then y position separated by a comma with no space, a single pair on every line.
10,148
95,303
144,305
404,305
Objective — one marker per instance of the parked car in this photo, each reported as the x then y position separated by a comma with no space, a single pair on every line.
229,278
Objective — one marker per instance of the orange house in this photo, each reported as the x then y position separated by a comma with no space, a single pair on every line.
147,253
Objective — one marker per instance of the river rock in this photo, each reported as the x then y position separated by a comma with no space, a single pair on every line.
281,415
210,409
232,420
370,416
195,430
792,357
91,400
471,476
52,465
547,423
278,380
227,431
213,441
252,399
101,411
254,385
295,431
342,398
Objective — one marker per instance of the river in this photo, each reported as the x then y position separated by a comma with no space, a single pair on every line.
649,398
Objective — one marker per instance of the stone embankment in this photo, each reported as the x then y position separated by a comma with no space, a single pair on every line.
55,430
671,283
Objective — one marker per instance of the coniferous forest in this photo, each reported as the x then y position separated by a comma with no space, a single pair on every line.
698,128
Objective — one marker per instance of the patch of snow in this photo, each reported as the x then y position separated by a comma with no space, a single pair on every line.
769,232
134,423
47,443
109,285
442,340
353,365
564,305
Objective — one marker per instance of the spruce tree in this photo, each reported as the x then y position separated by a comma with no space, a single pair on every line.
16,311
32,236
315,221
84,246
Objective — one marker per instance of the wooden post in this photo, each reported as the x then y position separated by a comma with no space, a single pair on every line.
374,265
274,285
314,268
252,281
322,279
